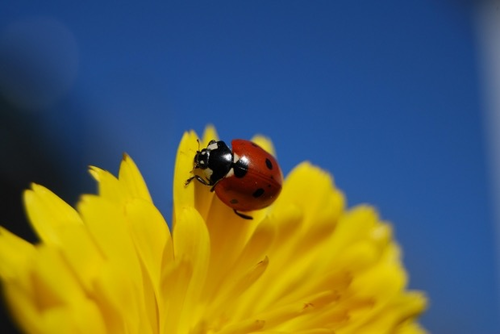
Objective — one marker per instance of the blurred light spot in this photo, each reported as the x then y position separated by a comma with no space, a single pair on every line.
488,29
38,63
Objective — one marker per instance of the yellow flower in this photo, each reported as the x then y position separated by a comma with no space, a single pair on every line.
304,265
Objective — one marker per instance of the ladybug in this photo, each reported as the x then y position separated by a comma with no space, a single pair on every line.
245,178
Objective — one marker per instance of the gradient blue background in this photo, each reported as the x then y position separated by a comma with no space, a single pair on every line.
384,95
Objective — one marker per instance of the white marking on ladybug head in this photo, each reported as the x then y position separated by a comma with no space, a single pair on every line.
213,146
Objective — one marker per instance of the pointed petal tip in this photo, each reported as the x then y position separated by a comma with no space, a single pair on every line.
125,156
210,133
38,188
33,185
28,195
130,176
95,172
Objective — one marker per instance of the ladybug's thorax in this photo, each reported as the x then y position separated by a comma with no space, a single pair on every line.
216,161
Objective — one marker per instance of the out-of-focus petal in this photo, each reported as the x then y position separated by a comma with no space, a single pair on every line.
48,213
131,178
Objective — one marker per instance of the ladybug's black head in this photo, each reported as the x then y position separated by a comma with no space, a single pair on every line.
201,159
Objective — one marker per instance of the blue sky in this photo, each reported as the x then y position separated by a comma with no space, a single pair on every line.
385,96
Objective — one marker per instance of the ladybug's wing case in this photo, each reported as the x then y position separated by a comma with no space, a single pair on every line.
256,181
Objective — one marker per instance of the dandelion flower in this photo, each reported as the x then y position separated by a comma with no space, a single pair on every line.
112,265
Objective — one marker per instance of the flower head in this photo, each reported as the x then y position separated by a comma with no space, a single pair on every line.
304,265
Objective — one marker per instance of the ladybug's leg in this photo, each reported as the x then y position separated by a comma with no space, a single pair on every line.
188,181
199,179
242,215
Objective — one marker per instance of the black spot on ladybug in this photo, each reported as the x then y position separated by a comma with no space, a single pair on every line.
257,193
269,164
240,172
233,201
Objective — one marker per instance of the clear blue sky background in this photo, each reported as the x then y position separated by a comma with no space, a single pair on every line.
383,94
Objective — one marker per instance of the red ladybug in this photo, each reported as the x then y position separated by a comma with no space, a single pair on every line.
245,179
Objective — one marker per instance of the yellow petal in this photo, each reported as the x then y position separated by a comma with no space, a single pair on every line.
63,295
258,296
191,246
82,317
120,300
222,271
245,326
265,143
109,187
382,281
316,331
184,195
228,236
48,213
410,327
278,317
108,227
409,305
311,189
132,179
150,234
82,255
50,292
397,311
257,247
176,280
355,225
152,239
223,302
16,255
209,134
25,312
